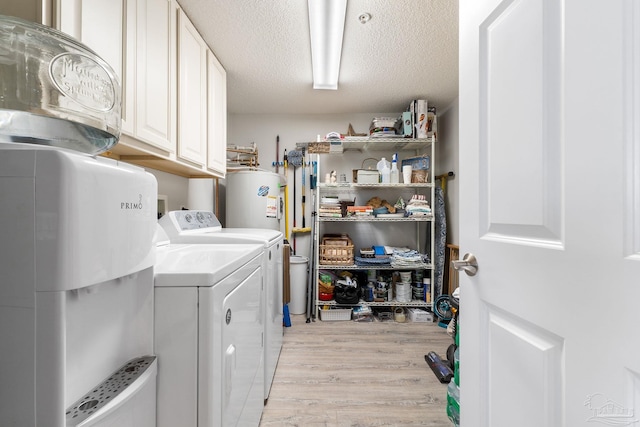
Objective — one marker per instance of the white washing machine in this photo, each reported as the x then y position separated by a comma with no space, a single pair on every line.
204,228
209,335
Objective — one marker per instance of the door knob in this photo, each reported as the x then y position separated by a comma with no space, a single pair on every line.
469,264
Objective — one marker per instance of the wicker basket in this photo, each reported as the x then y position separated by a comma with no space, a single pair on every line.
336,255
336,249
335,314
336,240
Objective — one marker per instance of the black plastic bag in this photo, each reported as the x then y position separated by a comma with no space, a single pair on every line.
346,294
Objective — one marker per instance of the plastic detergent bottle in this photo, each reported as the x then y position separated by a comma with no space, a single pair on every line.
384,171
395,174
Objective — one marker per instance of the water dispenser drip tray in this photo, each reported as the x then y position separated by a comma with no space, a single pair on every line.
107,392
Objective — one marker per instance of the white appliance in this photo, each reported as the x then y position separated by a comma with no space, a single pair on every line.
76,294
253,200
209,335
203,227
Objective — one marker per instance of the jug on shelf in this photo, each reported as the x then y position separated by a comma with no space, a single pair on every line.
384,171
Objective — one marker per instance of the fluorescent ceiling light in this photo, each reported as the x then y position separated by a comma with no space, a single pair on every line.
326,27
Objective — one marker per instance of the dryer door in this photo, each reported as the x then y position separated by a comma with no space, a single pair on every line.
231,386
243,372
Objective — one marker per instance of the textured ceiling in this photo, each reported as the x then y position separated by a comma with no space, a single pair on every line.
408,50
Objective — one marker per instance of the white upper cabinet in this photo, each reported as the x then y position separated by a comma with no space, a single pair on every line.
97,24
149,112
174,90
137,38
192,93
217,116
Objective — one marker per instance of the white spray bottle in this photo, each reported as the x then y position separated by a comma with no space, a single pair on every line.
395,174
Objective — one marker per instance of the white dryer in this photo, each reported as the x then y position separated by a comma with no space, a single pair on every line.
204,228
209,335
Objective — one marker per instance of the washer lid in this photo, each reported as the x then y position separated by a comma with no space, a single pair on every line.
204,227
201,265
245,235
232,235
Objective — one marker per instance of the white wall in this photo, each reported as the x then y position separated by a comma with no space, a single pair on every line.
174,187
447,160
263,129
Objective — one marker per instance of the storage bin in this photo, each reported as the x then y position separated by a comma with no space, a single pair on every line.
336,250
335,314
366,176
419,315
336,255
298,274
336,240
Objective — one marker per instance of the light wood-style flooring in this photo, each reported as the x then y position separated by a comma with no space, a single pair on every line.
347,373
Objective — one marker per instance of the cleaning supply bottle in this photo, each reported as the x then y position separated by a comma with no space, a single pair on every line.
395,174
384,171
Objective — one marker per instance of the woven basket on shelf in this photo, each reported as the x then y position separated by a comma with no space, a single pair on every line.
336,255
336,250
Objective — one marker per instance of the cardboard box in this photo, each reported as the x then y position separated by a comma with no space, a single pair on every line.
417,163
415,314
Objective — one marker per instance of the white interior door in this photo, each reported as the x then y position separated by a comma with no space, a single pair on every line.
550,206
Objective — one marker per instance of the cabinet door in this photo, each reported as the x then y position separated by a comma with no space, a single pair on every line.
192,83
154,73
97,24
129,71
217,115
